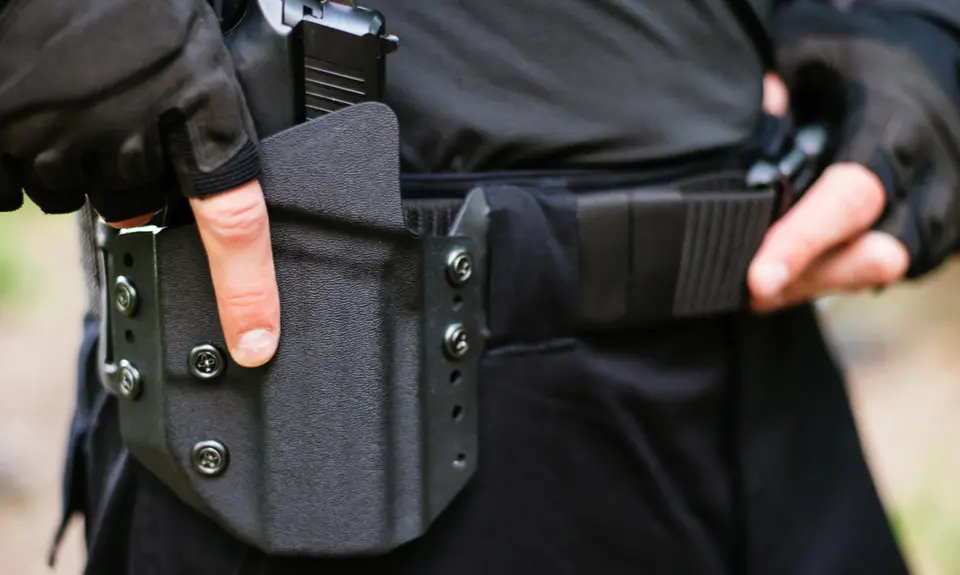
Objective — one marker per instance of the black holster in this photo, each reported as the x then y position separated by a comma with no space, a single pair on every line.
363,427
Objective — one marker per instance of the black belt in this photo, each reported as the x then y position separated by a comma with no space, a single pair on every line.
649,253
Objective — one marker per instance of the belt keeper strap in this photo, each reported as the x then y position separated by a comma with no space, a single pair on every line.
652,255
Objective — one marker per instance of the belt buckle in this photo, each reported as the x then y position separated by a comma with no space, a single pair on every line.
794,171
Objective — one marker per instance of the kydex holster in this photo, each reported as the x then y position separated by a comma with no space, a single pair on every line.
363,428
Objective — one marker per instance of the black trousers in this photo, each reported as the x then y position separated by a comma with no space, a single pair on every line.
710,446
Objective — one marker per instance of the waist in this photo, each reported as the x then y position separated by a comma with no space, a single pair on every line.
769,140
671,241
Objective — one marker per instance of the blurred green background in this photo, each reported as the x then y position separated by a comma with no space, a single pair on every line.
901,349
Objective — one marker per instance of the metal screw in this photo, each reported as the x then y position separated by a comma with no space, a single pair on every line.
125,296
129,379
456,342
210,458
459,267
206,362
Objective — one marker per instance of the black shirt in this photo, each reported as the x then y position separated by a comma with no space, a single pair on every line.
500,84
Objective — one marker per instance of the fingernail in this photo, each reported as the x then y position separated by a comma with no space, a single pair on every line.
770,277
887,249
256,347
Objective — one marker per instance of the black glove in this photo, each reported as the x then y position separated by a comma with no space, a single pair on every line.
885,82
119,101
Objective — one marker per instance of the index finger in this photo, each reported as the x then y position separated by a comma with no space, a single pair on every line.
236,235
844,202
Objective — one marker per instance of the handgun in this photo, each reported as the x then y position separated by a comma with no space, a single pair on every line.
300,59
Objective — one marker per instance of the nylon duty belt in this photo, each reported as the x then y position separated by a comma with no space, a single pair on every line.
652,253
363,428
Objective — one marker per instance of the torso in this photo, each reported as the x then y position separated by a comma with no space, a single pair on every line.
502,84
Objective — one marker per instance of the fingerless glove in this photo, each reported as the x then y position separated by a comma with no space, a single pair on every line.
886,83
118,101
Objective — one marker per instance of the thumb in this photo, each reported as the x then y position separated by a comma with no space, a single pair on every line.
776,97
841,205
236,235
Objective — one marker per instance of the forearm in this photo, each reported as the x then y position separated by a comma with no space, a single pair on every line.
945,12
929,29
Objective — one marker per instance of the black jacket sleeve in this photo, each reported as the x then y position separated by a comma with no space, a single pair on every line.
118,101
882,74
945,12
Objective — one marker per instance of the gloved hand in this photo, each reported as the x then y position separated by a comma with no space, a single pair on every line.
889,206
125,102
101,98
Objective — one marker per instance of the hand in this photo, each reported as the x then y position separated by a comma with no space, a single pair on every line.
161,108
879,81
236,235
823,244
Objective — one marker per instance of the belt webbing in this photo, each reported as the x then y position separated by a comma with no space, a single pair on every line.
647,256
432,217
651,254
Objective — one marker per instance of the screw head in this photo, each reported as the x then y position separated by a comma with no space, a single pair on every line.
128,380
459,267
456,341
206,362
210,458
125,296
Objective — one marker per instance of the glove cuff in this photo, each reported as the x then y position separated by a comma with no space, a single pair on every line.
899,217
242,168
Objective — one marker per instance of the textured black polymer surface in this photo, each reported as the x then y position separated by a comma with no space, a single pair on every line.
326,450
